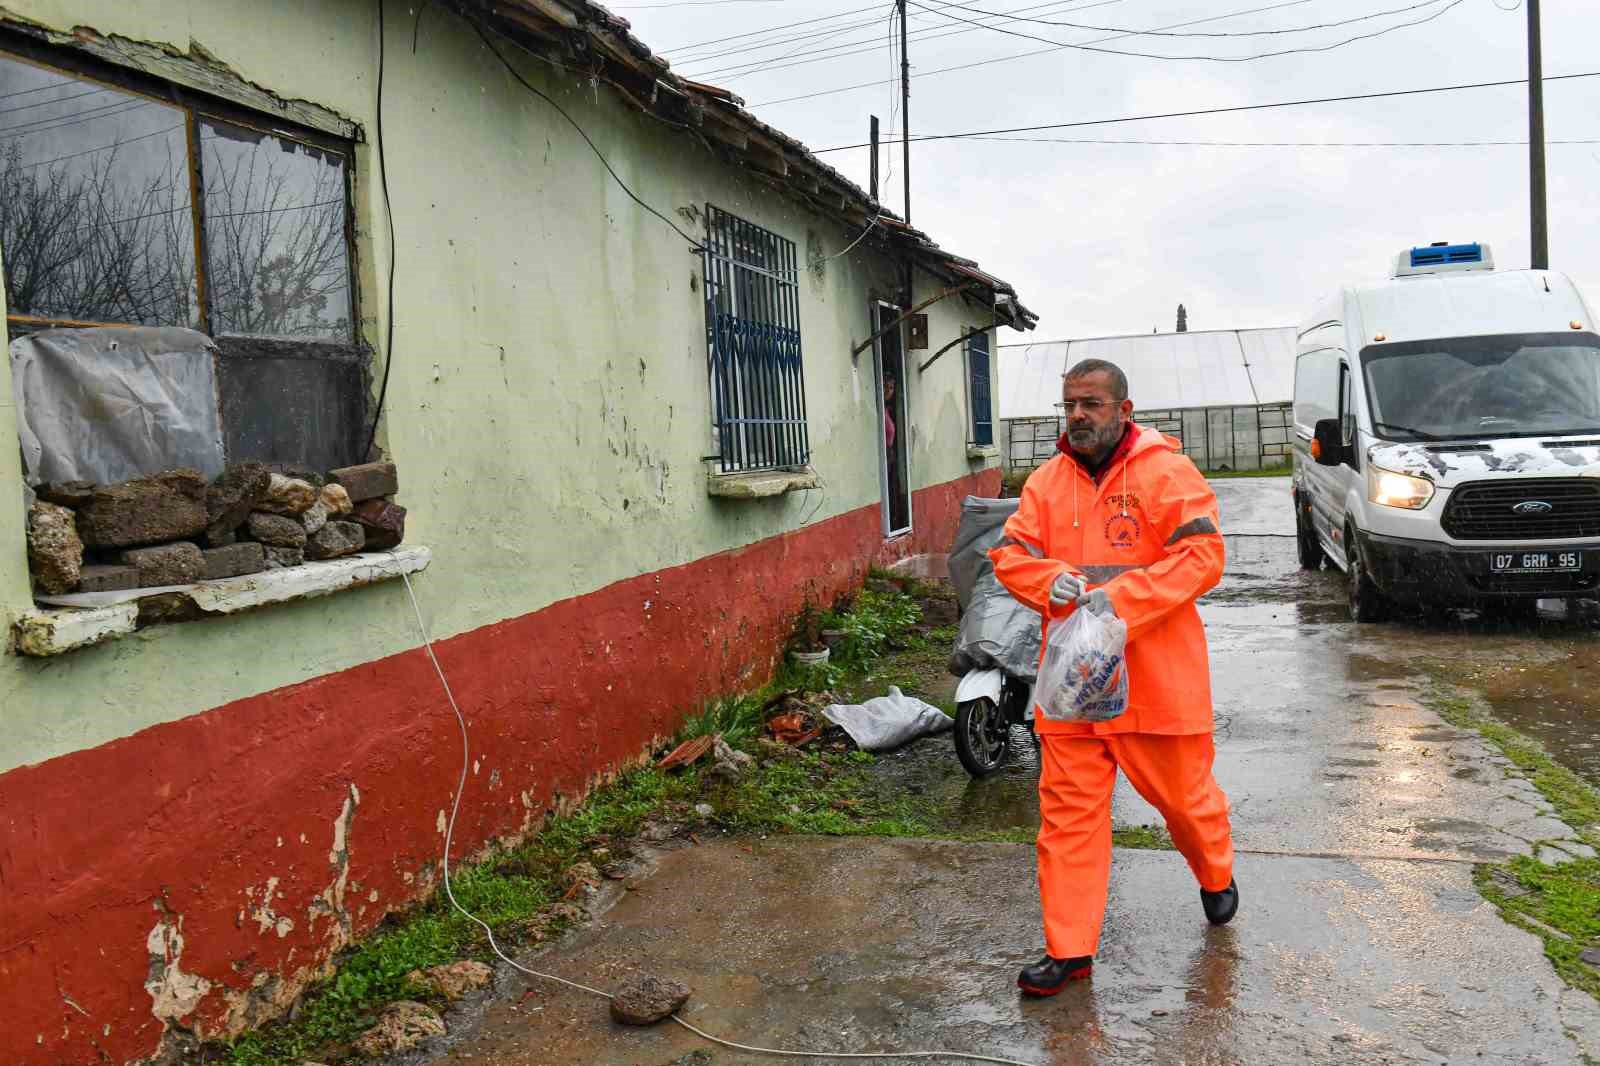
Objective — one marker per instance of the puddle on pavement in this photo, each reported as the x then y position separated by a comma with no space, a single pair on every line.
1542,677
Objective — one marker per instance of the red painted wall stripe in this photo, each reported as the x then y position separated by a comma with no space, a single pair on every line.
197,867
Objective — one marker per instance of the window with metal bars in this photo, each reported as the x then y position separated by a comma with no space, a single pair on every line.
978,389
758,396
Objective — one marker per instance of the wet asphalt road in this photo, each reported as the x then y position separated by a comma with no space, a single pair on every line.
1358,814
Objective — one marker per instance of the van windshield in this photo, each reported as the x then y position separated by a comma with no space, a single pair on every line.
1517,385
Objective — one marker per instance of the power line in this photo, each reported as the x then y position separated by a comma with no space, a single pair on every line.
28,129
769,29
862,47
1221,110
928,31
1277,144
1198,58
1126,32
102,148
1026,55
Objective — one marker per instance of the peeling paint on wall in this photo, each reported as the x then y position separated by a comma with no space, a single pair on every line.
174,994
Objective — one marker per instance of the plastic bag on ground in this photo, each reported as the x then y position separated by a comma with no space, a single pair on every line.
886,722
1084,674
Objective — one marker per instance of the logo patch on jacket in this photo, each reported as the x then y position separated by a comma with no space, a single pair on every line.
1122,531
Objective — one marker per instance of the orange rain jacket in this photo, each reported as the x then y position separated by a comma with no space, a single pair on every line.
1147,532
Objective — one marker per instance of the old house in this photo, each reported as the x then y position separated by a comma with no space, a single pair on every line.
625,347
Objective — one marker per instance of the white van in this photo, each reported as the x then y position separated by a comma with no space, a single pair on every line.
1447,426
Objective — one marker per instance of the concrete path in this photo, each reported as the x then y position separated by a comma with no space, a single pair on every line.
1361,938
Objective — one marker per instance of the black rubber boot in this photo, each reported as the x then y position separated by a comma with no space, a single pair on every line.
1048,976
1221,906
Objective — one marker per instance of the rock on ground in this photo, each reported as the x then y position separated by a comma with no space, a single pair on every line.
402,1026
287,496
166,564
55,552
230,499
276,530
453,980
148,510
647,999
334,540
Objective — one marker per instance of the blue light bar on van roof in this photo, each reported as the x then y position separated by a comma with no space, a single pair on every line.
1441,254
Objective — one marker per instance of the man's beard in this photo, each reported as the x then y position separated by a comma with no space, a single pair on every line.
1094,442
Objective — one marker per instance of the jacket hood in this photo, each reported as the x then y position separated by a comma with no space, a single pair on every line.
1143,439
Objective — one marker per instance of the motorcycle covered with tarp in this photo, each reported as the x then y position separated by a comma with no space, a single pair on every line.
996,653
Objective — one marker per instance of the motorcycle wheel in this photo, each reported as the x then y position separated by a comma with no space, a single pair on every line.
983,737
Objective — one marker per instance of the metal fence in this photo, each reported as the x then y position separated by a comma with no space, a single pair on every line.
1250,437
753,342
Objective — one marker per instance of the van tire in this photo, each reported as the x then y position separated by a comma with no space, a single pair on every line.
1306,543
1367,601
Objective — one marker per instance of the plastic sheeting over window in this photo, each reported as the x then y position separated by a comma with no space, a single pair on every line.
106,405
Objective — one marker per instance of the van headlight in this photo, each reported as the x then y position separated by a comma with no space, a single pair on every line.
1394,489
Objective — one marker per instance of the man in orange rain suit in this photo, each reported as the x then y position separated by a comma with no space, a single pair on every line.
1120,522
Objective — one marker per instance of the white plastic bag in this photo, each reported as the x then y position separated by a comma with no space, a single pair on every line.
1084,674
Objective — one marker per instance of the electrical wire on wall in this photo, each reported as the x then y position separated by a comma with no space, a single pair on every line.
516,74
388,214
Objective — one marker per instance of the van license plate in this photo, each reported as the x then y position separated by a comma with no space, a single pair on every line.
1535,562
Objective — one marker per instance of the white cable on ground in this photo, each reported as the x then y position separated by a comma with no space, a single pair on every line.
449,832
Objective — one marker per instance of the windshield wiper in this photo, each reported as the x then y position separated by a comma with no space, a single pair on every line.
1417,433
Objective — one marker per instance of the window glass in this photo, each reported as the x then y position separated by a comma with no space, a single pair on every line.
1347,408
95,219
978,378
277,262
1316,387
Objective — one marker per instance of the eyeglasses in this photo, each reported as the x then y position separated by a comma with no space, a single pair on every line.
1089,406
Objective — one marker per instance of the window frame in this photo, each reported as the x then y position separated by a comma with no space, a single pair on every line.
768,428
972,403
196,107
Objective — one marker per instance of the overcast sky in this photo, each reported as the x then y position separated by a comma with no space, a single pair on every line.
1104,239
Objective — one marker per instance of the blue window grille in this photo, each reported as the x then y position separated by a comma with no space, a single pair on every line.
978,389
758,394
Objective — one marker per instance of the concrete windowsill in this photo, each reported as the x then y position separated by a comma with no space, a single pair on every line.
762,484
66,623
983,451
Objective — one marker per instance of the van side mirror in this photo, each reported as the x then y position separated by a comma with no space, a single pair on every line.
1327,442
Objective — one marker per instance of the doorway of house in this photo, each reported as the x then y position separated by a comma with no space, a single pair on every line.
894,472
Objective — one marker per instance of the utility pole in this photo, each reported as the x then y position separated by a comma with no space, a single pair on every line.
872,171
905,109
1539,228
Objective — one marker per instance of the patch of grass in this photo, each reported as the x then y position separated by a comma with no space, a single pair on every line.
1558,904
1283,470
737,718
1576,801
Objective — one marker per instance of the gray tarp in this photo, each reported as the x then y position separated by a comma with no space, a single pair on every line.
109,404
886,722
996,630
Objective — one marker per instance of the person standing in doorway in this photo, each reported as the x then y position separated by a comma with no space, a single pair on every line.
891,457
1122,523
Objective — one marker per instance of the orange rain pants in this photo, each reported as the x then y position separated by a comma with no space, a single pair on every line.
1077,772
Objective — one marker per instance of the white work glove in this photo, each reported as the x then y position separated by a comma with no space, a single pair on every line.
1097,602
1066,589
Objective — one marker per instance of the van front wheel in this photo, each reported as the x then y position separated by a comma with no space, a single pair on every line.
1367,601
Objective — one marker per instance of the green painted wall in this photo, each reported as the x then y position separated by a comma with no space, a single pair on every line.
548,405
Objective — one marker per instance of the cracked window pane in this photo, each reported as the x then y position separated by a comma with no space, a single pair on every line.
277,262
95,219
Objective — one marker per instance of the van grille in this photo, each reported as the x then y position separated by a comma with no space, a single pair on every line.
1483,510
